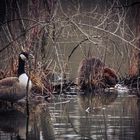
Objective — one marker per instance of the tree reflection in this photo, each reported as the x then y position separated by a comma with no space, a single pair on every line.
15,124
92,105
137,121
12,125
94,101
40,123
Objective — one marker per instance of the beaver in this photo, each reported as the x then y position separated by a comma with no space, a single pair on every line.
93,73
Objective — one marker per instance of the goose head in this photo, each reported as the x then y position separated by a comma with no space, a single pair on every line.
23,57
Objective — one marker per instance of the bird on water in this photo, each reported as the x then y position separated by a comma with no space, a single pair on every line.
13,89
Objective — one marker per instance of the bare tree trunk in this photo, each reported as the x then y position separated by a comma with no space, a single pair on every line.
135,60
138,32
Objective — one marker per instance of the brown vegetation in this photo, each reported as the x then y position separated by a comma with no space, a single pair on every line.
93,73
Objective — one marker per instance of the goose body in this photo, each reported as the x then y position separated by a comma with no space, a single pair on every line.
15,88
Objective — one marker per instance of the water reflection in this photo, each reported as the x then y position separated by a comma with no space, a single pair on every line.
94,116
93,105
137,121
40,124
94,101
12,125
15,125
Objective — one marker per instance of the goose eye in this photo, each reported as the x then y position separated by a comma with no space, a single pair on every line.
23,57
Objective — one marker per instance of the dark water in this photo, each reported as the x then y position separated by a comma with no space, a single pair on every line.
98,116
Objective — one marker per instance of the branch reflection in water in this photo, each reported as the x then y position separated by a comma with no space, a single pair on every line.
92,115
93,105
13,124
40,122
96,100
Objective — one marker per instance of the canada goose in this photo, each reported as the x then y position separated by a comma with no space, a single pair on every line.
14,88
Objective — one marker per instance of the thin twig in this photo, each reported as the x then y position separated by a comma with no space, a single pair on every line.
22,34
129,5
76,47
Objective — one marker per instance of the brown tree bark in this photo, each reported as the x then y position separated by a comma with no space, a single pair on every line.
135,60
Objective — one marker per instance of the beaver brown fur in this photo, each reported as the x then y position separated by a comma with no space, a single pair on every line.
93,73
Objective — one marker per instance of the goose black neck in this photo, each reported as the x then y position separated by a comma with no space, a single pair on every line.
21,67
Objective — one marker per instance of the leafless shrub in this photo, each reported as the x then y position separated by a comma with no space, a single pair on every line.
53,33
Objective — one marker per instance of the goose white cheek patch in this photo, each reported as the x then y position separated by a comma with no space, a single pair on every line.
23,57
